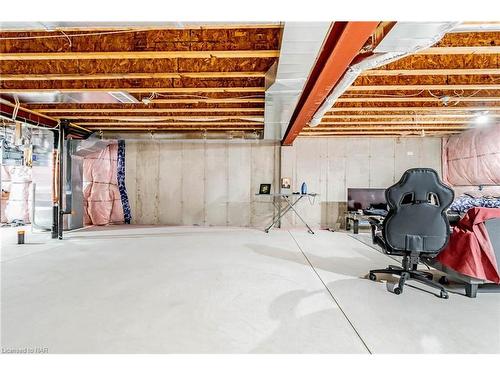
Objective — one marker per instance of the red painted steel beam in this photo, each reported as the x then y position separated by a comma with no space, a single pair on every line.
27,116
341,46
35,118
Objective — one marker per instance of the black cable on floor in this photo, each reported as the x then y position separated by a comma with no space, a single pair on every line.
330,293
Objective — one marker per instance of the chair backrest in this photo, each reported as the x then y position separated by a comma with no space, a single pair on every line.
416,221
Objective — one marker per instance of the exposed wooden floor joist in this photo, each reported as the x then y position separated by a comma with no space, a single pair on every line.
195,70
405,116
154,118
176,90
417,99
431,72
146,110
480,50
136,55
399,122
414,109
68,77
425,87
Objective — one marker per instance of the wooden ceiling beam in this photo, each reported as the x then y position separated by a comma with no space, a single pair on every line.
412,109
429,72
137,123
146,110
213,101
399,122
461,50
154,118
189,90
394,133
180,129
406,116
34,56
416,99
472,86
399,127
68,77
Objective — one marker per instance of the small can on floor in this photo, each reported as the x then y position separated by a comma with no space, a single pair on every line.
20,237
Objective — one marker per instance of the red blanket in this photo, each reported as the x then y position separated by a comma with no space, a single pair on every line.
469,251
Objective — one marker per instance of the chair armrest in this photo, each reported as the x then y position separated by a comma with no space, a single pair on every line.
375,222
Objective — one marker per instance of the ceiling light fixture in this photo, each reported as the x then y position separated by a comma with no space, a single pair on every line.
482,118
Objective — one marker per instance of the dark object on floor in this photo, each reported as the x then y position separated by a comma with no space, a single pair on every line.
20,237
416,226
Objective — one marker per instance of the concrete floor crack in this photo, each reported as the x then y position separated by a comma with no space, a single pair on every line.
330,293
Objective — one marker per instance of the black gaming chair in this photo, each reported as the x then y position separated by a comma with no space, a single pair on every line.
416,226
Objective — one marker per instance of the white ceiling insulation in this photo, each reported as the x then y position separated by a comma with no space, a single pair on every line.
300,45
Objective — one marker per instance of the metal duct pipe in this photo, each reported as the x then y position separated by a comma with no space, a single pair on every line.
62,131
63,127
404,39
55,198
300,45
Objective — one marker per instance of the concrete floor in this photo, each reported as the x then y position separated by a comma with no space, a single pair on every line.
222,290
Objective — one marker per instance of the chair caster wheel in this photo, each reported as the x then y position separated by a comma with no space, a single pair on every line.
397,290
444,295
372,277
444,280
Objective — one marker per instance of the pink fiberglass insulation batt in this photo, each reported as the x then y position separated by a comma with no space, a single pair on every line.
102,201
472,158
18,204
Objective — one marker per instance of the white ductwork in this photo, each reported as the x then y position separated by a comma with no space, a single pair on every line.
300,45
404,39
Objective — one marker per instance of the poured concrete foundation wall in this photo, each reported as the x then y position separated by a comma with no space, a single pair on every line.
214,183
200,182
331,165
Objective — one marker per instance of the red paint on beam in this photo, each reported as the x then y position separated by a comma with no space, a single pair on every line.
341,46
27,116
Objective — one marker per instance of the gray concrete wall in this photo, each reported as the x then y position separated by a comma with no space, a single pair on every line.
331,165
200,182
214,183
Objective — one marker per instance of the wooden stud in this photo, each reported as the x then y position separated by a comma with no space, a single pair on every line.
190,90
199,123
412,109
176,128
463,50
399,127
402,122
431,72
34,56
153,118
214,100
406,116
381,134
62,77
416,99
424,87
146,110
